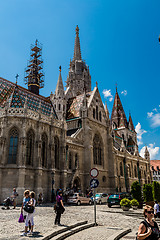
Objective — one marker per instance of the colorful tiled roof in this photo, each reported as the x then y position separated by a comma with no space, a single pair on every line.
74,105
17,96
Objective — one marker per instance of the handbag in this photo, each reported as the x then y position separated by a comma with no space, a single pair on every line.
21,218
55,207
29,208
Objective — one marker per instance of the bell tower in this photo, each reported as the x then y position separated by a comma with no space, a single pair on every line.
79,78
34,76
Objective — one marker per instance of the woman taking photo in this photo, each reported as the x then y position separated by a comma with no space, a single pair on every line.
148,229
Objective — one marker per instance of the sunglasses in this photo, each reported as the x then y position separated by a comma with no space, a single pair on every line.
150,212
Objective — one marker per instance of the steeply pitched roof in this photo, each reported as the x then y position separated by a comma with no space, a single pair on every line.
118,115
74,105
17,97
154,164
131,126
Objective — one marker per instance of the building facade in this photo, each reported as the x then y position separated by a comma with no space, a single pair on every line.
63,136
155,169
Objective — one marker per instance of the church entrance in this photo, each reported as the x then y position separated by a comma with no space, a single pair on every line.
77,184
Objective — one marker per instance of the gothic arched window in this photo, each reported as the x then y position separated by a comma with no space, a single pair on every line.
135,171
76,160
44,150
70,160
100,116
97,112
94,113
13,146
121,169
30,147
56,152
97,150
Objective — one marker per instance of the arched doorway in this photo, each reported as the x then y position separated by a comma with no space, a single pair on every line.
76,184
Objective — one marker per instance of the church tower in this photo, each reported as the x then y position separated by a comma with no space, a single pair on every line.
146,154
123,130
34,76
58,98
79,78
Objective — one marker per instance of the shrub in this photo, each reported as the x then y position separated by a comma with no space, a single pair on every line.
136,191
147,192
156,191
134,202
125,202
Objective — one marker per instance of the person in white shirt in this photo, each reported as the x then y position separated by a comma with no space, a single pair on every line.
156,209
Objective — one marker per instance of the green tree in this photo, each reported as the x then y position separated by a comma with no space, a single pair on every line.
136,191
156,191
147,192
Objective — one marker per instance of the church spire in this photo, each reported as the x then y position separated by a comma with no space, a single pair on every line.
77,50
118,113
106,110
146,154
130,124
34,75
59,88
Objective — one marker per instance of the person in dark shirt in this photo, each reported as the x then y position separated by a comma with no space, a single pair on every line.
148,229
59,207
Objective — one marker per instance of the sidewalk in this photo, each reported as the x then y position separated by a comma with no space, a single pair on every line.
109,222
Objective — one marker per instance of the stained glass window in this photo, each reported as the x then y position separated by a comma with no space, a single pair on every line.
13,146
97,150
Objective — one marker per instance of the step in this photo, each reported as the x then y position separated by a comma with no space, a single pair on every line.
73,231
64,229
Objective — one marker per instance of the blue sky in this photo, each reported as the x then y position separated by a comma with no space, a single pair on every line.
119,41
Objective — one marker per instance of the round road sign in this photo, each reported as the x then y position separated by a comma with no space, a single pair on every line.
94,172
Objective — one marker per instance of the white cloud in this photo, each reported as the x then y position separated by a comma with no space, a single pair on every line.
152,150
124,92
149,114
155,120
155,109
107,94
139,132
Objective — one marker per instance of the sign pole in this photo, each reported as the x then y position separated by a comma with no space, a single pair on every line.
95,207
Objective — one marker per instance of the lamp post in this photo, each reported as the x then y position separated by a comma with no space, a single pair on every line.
52,194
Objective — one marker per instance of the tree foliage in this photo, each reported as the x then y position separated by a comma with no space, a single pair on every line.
156,191
136,191
147,192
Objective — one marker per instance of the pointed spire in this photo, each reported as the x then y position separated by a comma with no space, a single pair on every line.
136,153
122,148
146,154
117,112
77,50
122,121
59,88
130,124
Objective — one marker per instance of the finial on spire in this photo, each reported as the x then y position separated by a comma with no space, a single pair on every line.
77,29
116,87
16,78
36,42
77,50
96,84
60,68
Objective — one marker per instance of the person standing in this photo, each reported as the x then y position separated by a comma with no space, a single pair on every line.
156,209
14,196
30,216
59,207
148,229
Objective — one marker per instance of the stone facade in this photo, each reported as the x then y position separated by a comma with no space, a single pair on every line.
63,136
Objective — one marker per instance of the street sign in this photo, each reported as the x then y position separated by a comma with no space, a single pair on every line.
94,183
94,172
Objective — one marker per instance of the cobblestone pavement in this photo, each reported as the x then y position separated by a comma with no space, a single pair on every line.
110,221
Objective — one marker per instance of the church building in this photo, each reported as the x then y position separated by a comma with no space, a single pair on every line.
53,142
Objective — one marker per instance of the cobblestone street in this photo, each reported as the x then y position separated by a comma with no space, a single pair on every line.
110,221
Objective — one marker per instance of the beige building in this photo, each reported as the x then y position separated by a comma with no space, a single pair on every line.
58,139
